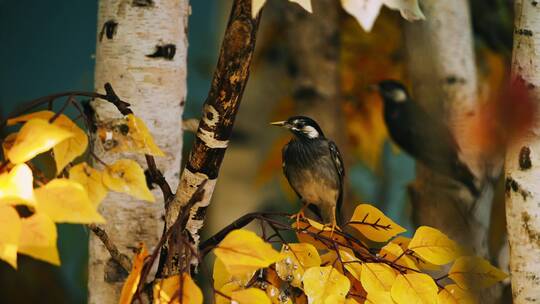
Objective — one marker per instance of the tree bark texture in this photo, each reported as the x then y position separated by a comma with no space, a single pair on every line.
521,165
141,51
215,127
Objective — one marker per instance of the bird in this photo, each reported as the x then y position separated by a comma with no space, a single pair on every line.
314,168
425,138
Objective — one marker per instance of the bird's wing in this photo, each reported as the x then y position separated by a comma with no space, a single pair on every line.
340,168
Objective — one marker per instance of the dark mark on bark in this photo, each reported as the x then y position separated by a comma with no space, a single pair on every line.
108,29
513,185
524,32
142,3
455,80
166,51
534,3
525,158
114,273
534,236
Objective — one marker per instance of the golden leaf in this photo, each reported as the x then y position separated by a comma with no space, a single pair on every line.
227,290
414,288
373,224
168,291
475,273
10,231
91,180
394,253
35,137
142,139
134,277
452,294
221,276
324,283
66,201
307,228
377,277
434,246
351,263
242,251
379,297
127,176
38,238
8,143
249,296
67,150
296,259
16,187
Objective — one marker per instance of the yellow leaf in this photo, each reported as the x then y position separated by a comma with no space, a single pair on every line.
127,176
434,246
132,281
16,187
250,296
222,276
227,290
142,138
8,143
452,294
475,273
168,291
351,263
307,228
66,201
10,231
377,277
373,224
38,238
379,297
242,251
394,253
257,5
91,180
67,150
296,259
35,137
324,283
414,288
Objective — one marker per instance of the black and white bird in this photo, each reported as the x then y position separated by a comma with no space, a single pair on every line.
425,138
314,168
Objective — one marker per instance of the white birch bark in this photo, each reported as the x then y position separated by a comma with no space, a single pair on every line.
522,170
442,67
141,51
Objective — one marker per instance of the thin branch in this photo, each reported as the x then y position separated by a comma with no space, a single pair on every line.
122,259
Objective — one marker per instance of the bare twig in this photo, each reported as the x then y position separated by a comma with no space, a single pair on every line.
122,259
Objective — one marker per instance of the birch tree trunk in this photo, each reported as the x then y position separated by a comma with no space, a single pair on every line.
442,67
522,170
141,51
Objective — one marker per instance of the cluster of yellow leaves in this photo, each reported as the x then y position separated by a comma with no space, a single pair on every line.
30,204
364,11
313,271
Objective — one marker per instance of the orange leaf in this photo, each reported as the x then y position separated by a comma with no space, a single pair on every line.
134,277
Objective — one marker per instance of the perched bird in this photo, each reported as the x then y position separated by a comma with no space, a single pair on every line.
425,138
314,168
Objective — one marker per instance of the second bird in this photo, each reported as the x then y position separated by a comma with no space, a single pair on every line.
314,167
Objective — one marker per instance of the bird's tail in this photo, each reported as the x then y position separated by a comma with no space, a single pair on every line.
467,178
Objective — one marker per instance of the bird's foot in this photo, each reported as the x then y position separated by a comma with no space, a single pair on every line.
298,216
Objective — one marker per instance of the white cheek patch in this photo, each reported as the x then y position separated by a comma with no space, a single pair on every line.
399,96
310,131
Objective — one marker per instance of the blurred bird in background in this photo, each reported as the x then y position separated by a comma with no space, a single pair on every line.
426,139
314,168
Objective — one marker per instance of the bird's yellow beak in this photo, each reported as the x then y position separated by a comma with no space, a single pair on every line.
278,123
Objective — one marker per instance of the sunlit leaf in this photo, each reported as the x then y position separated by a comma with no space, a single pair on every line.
250,295
127,176
143,140
38,238
377,277
414,288
452,294
170,291
227,291
16,187
324,283
256,5
242,251
373,224
134,277
222,276
475,273
351,263
10,231
394,253
379,297
35,137
296,258
8,143
307,228
91,180
434,246
66,201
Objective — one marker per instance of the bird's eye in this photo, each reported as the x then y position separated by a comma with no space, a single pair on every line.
399,95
